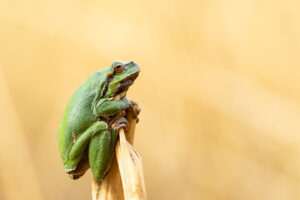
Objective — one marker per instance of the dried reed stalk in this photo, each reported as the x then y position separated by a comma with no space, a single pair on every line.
125,179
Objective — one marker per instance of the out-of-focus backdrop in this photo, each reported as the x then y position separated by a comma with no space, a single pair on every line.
219,89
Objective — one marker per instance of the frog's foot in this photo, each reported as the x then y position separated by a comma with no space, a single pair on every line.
80,169
118,123
133,111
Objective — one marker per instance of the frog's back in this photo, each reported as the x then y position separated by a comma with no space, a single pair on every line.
79,115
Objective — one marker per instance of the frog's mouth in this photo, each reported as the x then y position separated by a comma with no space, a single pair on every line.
124,86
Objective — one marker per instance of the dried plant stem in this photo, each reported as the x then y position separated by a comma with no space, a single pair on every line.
131,170
125,179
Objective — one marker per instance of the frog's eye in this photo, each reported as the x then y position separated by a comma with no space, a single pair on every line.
119,68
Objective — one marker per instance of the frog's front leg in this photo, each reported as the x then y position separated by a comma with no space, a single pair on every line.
113,107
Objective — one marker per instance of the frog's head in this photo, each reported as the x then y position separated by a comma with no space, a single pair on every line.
120,77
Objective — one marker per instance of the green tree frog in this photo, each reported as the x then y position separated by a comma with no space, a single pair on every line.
88,130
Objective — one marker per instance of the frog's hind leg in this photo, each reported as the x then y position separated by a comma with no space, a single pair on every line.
78,162
101,152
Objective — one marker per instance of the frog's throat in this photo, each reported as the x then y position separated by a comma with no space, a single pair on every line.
118,96
125,83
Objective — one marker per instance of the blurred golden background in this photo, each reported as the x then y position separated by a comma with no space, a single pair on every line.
219,91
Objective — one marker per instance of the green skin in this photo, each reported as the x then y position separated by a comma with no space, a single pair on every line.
85,136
